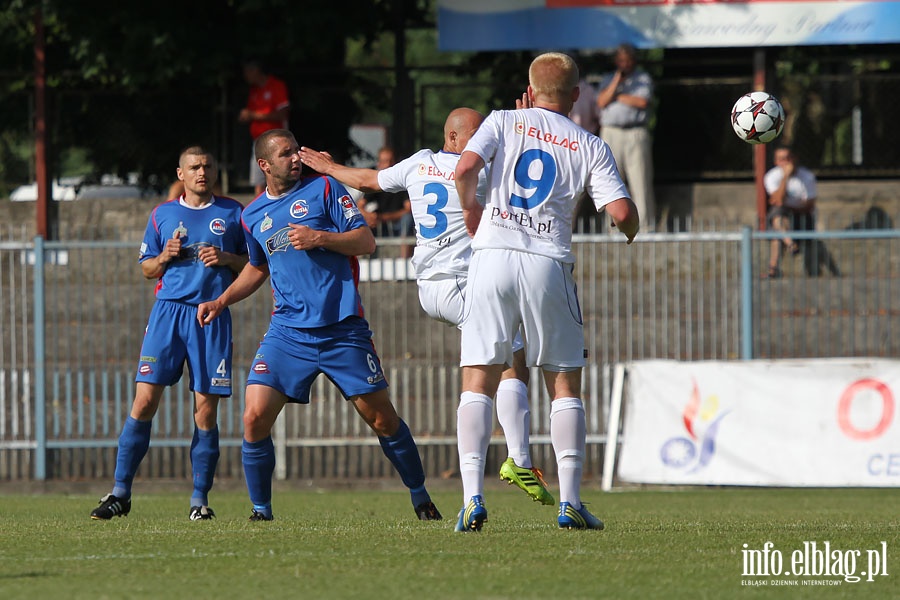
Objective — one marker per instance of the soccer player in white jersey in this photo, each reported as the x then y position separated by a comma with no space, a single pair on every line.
521,273
441,260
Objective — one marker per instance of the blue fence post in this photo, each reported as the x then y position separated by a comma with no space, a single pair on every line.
746,293
40,358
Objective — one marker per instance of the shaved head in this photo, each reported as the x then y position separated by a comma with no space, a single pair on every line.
460,126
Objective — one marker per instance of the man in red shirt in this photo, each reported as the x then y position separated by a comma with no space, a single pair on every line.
267,108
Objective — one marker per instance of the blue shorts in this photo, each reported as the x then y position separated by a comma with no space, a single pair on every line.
290,359
174,336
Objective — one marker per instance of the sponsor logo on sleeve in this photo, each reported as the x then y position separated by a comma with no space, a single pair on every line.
349,207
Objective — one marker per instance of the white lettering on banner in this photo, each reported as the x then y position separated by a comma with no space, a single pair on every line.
816,422
814,559
846,404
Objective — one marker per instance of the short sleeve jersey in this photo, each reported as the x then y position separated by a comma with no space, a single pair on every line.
800,187
311,288
268,98
541,163
218,224
442,245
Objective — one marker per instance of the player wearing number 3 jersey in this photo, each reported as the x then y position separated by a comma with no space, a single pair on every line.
441,260
521,274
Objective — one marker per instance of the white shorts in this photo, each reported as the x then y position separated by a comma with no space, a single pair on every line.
444,298
508,290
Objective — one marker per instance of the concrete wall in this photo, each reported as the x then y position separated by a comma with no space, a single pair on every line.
840,204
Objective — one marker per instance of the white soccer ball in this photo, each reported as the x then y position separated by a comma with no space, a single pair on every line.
757,117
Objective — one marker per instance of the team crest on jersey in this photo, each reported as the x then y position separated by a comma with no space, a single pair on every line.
349,207
520,128
145,369
421,169
266,224
180,231
217,226
299,209
279,241
260,368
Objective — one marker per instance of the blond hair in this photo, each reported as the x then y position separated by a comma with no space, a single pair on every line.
553,75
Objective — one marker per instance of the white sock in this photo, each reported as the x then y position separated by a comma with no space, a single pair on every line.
474,420
515,419
567,432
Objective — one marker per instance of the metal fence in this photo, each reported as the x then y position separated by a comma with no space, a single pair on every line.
72,315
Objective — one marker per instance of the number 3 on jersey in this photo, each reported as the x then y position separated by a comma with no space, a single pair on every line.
525,166
434,209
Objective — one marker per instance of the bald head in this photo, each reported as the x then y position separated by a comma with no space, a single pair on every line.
553,79
460,126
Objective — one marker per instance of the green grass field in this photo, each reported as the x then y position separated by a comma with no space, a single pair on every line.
366,544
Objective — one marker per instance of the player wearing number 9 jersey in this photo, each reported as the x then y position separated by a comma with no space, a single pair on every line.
441,260
521,274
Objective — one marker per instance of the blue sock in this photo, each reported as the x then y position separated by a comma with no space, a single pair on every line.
134,442
259,466
401,450
204,457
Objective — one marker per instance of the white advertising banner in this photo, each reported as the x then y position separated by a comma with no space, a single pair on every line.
828,422
531,24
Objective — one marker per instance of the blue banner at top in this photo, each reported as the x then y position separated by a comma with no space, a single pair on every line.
603,24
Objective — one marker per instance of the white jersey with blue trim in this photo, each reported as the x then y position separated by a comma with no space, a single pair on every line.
541,164
442,245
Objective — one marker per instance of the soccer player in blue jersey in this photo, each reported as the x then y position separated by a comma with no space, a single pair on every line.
306,234
193,247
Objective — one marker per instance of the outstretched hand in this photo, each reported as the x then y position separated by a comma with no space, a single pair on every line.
315,160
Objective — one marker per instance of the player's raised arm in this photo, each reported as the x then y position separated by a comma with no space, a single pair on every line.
249,280
365,180
467,170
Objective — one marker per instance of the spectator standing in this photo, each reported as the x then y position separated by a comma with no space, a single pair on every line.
306,233
624,99
194,247
521,272
268,107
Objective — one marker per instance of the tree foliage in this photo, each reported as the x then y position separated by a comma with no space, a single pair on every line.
133,82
